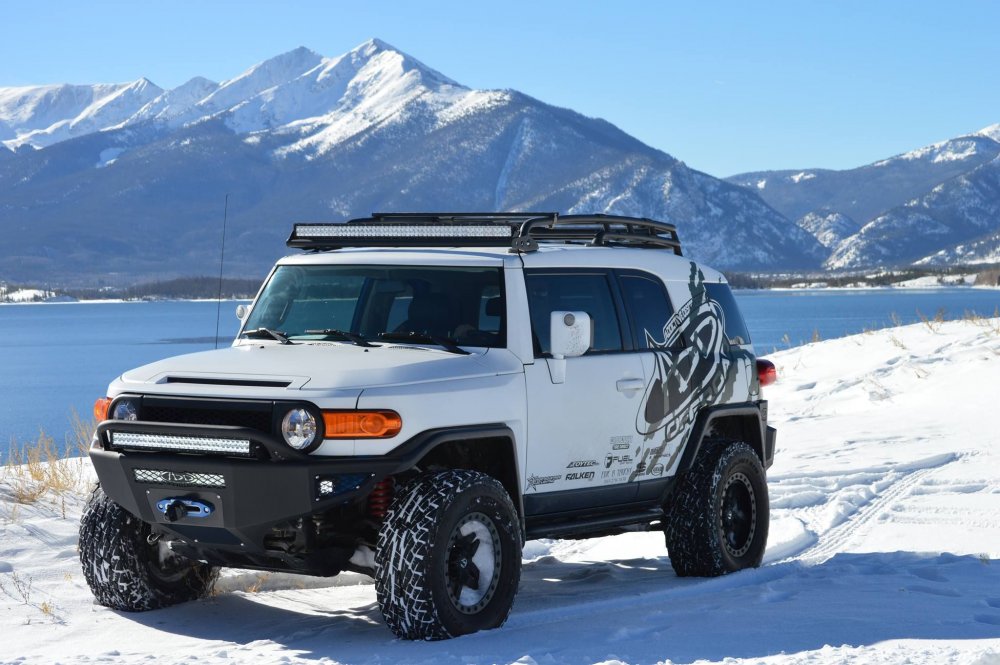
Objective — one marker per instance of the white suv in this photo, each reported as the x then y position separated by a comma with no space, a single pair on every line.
416,395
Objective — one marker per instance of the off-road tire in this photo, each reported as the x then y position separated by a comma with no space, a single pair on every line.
124,570
726,486
416,550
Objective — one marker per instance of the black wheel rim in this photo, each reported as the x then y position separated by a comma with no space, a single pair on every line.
473,559
166,567
738,515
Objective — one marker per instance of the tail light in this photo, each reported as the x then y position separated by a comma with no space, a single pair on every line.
766,373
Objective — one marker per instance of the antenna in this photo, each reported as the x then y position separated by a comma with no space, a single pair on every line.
222,261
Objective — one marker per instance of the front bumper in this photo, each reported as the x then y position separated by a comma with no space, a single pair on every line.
248,497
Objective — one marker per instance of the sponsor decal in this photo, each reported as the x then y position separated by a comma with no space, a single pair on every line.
609,460
615,475
535,481
582,464
580,475
621,442
656,470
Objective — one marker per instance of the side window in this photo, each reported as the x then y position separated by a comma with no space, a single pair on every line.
583,292
736,328
648,307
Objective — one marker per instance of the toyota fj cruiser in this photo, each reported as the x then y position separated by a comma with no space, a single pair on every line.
416,395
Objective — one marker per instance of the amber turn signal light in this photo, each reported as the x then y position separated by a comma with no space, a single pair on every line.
361,424
101,407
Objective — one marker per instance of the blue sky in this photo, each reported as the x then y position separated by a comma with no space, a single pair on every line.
725,86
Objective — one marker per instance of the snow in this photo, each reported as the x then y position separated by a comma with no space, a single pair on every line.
884,548
992,132
799,177
23,295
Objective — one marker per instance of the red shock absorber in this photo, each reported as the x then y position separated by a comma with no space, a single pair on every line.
380,498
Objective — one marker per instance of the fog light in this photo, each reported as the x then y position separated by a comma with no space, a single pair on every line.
299,428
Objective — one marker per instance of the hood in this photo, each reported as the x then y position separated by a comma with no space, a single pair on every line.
315,366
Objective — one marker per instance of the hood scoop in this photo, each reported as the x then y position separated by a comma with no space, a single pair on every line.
208,381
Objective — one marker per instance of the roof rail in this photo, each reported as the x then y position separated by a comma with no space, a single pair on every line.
521,231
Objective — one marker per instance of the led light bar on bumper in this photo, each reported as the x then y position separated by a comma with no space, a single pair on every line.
173,443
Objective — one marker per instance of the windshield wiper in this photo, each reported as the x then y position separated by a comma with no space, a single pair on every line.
343,335
264,333
446,343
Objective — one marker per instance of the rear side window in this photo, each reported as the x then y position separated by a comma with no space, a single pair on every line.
648,307
736,328
583,292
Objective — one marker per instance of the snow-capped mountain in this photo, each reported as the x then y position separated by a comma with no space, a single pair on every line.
829,229
937,204
954,222
300,136
45,115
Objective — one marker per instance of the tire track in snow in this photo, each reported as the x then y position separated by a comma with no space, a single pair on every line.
834,540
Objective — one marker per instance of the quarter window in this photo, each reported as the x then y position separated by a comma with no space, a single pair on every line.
736,328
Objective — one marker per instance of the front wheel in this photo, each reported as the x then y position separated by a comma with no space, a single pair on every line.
718,519
128,568
448,560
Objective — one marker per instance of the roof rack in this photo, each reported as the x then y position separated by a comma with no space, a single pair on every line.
521,231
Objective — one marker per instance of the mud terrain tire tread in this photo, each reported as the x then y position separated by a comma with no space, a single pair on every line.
692,530
410,559
117,561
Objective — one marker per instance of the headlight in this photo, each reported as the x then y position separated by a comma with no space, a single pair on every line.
298,428
125,409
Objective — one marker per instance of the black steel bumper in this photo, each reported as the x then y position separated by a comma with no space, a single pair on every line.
247,497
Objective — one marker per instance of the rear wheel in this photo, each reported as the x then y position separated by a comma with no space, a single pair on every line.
128,568
719,515
448,560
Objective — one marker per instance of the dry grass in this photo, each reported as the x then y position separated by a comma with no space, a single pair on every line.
934,324
39,468
990,323
257,584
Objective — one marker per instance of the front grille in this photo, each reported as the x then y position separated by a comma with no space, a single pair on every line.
179,478
179,444
196,413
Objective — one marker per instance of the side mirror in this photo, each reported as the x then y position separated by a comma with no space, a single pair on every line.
241,311
571,334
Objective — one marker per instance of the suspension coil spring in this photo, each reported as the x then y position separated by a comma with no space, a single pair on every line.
380,498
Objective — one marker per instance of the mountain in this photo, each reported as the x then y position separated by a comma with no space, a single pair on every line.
939,204
306,137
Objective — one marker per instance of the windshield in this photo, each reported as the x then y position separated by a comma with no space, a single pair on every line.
309,302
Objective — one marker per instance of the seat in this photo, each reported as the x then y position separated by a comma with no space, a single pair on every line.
430,314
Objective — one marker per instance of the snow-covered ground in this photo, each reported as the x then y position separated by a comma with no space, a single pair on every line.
885,548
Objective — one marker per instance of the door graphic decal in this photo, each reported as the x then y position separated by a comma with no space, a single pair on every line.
696,366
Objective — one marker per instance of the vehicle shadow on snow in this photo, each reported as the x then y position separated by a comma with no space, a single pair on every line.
638,611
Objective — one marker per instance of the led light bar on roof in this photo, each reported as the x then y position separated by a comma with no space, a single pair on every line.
402,231
181,444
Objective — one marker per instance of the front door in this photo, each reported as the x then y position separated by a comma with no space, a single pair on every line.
581,431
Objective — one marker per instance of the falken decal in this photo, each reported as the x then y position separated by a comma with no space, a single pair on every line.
696,366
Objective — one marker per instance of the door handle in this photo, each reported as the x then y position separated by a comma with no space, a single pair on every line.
630,385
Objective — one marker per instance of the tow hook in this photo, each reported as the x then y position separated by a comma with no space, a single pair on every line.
176,508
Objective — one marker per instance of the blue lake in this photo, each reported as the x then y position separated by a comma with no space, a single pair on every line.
57,358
